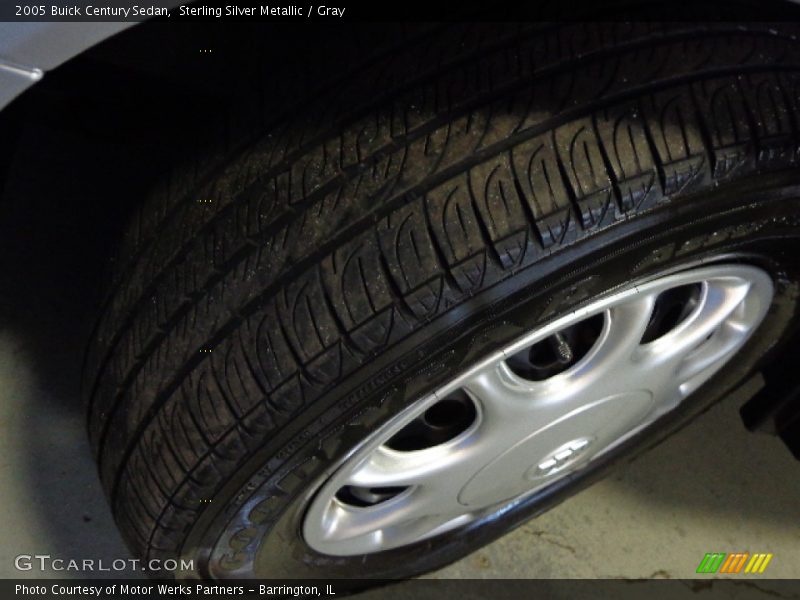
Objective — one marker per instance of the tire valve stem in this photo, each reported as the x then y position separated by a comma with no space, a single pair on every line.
562,348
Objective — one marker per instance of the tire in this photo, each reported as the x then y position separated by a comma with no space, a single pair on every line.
444,201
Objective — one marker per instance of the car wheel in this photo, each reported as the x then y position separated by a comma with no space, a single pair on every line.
399,331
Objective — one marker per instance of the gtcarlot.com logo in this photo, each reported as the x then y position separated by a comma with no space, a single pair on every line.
45,562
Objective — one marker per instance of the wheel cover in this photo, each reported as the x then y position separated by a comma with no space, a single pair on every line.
537,411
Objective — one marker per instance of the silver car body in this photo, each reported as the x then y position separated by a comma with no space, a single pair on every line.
29,50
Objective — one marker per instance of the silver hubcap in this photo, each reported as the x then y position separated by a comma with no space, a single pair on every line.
537,411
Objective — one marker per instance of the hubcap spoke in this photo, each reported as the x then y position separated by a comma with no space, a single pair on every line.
387,468
614,367
503,398
719,300
626,325
544,407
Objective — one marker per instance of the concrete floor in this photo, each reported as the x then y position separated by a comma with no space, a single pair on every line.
736,491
